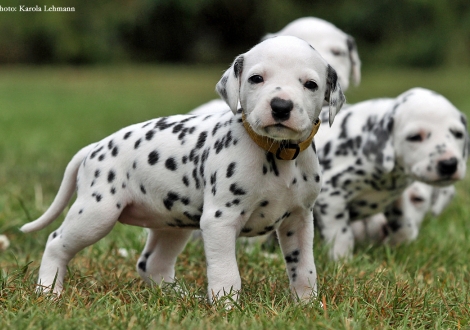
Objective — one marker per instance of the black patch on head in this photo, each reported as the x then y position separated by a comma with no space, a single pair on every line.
351,42
331,81
153,157
170,164
238,66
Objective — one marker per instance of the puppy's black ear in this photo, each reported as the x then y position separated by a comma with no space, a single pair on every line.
228,86
333,95
355,60
466,149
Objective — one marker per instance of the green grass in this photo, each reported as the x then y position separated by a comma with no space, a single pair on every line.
47,114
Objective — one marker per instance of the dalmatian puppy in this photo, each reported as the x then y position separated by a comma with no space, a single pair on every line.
375,150
416,201
335,46
244,172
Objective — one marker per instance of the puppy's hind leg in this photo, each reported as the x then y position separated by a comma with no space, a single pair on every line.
83,226
157,262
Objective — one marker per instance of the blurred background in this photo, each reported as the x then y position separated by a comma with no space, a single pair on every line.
407,33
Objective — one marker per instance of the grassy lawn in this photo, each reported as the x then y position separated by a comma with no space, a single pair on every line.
47,114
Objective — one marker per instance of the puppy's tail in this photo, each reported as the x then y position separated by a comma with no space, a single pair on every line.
66,190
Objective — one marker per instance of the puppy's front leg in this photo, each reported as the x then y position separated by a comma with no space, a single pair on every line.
219,232
296,240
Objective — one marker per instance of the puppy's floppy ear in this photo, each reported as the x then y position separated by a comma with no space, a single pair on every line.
355,60
466,148
228,86
378,146
333,95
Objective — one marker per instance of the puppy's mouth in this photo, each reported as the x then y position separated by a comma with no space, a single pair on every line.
281,131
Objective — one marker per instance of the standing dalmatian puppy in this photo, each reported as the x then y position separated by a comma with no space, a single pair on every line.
244,172
375,150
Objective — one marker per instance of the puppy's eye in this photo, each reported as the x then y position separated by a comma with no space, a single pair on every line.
256,79
311,85
336,52
416,199
457,134
415,138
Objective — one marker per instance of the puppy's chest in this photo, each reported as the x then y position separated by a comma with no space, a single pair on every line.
284,191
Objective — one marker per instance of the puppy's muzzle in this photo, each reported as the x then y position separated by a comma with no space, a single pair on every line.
447,167
280,109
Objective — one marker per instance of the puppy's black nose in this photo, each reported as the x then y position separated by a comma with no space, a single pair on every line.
447,167
281,108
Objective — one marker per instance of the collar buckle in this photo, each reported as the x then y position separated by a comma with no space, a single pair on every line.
284,146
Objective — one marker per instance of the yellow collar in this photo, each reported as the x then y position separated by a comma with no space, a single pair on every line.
284,150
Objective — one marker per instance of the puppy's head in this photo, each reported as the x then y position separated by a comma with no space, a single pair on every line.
281,85
430,136
336,47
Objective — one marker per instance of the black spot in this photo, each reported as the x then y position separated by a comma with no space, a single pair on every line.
97,196
171,164
153,157
134,165
218,213
110,144
317,178
142,189
115,151
201,140
264,203
137,143
289,233
265,170
231,169
236,190
186,181
149,135
80,212
170,199
127,135
142,265
97,173
111,176
94,153
54,235
101,157
118,205
113,190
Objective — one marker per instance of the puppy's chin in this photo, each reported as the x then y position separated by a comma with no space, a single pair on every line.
282,132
